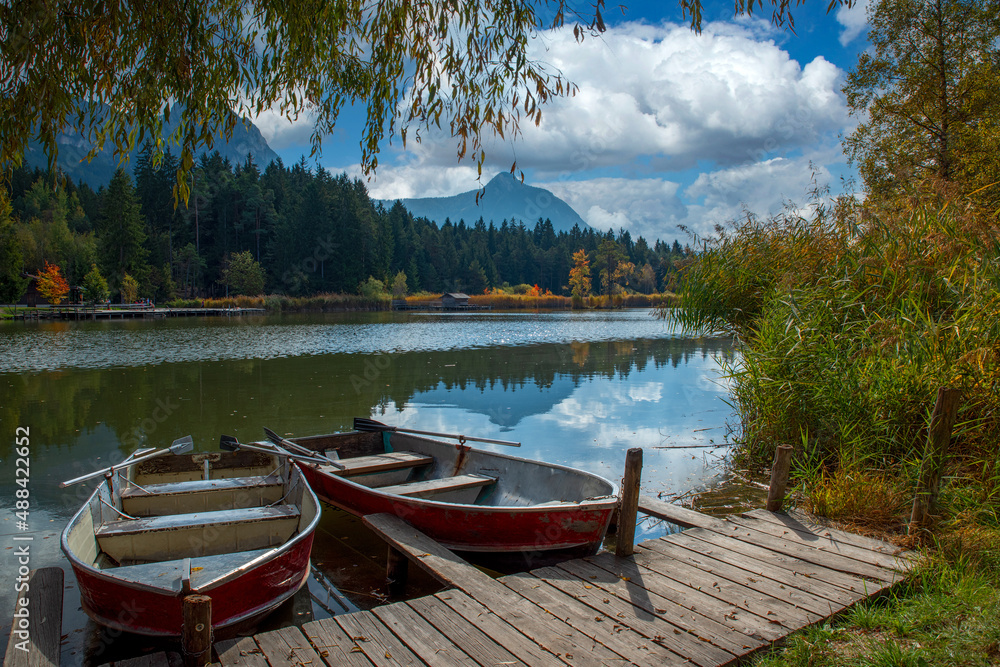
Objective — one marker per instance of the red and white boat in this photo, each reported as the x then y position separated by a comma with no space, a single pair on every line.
469,500
237,527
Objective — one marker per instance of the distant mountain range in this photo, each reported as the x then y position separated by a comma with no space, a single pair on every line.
246,140
503,198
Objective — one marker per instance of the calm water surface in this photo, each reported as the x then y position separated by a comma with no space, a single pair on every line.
574,388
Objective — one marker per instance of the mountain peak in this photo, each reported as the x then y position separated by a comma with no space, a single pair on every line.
505,197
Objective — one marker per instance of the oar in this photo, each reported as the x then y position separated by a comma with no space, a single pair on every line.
231,444
179,446
295,447
370,425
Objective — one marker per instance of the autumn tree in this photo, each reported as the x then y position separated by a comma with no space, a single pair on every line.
129,289
579,275
916,90
52,285
399,286
647,279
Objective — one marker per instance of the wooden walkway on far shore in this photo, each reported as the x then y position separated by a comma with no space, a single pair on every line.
704,597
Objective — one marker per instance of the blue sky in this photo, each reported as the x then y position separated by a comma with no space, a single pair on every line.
668,128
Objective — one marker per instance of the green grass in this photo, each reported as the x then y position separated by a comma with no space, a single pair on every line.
948,615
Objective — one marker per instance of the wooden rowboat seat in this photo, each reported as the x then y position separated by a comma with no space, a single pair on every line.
200,486
169,574
202,495
367,465
431,487
146,525
163,538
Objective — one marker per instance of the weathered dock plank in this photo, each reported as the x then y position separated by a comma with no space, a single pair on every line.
681,516
501,631
464,634
789,594
801,520
708,596
796,567
793,545
772,610
376,641
421,637
528,618
287,647
36,627
819,540
241,652
603,627
804,576
603,597
334,645
702,615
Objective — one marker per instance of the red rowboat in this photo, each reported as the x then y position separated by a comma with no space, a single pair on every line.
469,500
237,527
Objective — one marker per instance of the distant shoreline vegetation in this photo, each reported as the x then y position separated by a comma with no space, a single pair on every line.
288,230
496,301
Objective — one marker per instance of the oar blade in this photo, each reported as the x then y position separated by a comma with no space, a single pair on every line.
272,436
229,443
182,445
370,425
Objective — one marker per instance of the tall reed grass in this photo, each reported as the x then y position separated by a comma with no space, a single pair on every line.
849,320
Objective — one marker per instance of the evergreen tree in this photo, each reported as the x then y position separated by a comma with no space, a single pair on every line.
121,233
95,287
12,284
243,275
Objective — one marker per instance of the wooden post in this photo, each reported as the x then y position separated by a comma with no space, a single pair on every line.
196,632
628,504
938,437
779,478
396,571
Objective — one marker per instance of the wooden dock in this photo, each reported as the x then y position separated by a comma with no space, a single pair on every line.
707,596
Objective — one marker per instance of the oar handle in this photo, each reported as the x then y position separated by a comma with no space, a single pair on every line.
127,463
278,441
457,437
231,444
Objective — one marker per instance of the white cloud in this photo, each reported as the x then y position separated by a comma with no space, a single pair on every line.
666,94
411,180
656,208
854,19
642,206
658,100
281,132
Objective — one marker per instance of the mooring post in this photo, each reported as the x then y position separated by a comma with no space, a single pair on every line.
779,478
628,504
938,437
196,632
396,571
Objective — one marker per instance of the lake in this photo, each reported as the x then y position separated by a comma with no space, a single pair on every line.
576,388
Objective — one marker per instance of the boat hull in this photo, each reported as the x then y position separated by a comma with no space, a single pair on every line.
122,605
227,526
535,528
